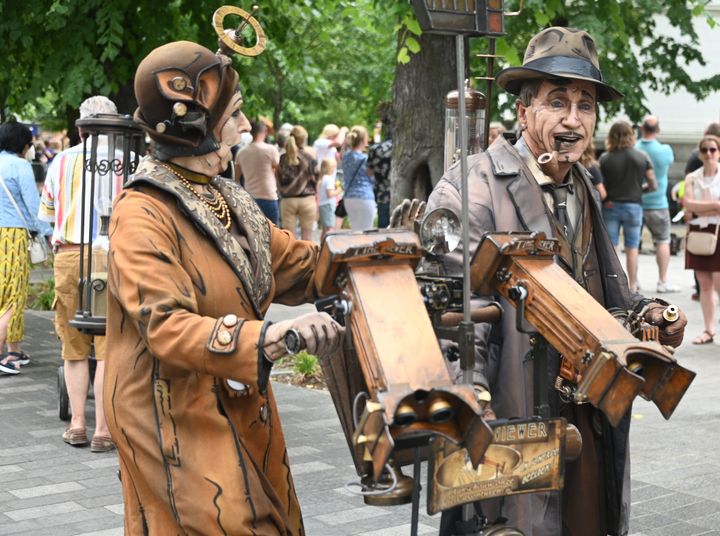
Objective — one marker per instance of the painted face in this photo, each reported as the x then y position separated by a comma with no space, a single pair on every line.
561,117
232,123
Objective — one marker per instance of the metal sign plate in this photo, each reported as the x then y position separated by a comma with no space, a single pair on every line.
525,456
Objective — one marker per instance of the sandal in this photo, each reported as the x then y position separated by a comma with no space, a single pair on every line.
704,338
20,358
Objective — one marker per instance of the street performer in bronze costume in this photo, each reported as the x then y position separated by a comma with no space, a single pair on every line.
193,267
537,184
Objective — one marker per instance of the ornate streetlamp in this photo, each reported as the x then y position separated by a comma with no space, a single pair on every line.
104,172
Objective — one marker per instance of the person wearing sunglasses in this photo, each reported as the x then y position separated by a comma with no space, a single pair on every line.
702,200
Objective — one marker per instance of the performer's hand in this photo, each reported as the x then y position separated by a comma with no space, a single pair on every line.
405,214
671,333
319,332
484,398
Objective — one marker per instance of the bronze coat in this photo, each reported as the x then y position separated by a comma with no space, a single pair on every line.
504,196
195,457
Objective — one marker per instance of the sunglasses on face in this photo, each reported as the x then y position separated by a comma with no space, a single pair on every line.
705,150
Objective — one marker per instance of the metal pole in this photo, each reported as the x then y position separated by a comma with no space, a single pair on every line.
460,50
468,510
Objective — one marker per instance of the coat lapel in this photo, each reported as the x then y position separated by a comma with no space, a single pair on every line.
257,281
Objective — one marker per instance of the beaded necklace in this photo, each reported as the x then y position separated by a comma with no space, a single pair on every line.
213,200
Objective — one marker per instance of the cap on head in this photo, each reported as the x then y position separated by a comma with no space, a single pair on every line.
182,90
97,105
559,53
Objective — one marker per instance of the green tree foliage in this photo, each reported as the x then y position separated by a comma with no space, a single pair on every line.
633,53
327,60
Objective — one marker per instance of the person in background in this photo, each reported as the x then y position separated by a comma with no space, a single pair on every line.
625,169
298,176
329,191
331,139
702,201
18,209
62,206
259,163
693,163
496,129
656,209
359,197
379,161
590,163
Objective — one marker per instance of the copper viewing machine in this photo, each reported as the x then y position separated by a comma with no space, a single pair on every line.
403,376
112,146
604,363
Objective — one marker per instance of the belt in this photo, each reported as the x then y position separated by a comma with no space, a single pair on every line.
64,248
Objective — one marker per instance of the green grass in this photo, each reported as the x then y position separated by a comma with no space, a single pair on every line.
41,295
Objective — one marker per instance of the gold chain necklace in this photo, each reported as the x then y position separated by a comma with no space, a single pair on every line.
216,204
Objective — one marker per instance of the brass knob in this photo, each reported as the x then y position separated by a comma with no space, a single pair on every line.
573,443
440,411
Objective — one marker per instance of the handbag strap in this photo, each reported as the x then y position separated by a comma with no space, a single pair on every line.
357,169
12,200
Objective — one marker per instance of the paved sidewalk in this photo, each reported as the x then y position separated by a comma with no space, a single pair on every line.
50,488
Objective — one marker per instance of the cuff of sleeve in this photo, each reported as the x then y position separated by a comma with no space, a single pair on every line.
224,336
264,364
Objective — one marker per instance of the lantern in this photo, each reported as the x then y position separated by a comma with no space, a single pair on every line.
467,17
112,145
474,119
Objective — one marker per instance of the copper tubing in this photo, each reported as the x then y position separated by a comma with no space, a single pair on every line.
490,314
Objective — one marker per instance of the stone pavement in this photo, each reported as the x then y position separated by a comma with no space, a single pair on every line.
50,488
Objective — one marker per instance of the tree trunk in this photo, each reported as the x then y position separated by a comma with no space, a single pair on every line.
418,105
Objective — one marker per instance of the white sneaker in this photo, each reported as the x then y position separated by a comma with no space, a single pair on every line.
664,288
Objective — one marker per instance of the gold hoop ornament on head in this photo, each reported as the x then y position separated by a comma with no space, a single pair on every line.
229,39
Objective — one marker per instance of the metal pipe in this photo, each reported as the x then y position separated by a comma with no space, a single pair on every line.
460,51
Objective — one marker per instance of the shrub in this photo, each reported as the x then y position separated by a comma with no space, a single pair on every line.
41,295
306,364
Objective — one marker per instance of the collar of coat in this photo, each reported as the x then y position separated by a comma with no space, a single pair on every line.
256,274
532,211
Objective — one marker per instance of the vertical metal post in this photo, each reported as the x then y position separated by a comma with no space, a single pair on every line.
468,510
463,135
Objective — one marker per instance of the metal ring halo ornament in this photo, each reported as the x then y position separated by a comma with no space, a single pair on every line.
228,37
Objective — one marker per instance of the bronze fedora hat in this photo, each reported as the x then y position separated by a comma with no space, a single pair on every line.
559,53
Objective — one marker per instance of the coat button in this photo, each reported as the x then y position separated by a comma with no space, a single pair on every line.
230,320
224,338
263,413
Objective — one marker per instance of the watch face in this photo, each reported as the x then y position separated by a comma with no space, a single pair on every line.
440,231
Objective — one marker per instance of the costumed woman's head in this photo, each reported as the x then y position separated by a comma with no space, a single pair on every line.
189,104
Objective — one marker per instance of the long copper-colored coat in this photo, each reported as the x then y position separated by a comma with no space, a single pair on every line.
196,457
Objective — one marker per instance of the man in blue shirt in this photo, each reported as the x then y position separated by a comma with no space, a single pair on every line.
656,212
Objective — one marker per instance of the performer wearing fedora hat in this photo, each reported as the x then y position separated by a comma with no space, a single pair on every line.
537,184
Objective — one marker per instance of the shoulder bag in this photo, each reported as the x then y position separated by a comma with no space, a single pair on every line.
340,210
36,244
702,243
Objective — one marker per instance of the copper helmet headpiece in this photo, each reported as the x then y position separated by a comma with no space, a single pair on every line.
182,90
